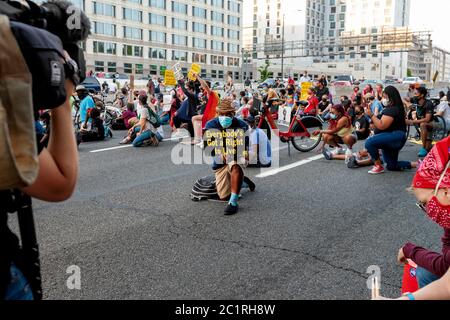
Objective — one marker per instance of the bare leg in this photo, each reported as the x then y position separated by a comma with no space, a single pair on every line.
237,177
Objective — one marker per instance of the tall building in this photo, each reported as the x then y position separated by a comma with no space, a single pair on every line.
147,36
318,26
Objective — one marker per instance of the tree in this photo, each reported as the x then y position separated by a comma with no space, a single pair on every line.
409,73
264,71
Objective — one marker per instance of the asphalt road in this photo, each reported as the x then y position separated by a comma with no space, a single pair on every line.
309,232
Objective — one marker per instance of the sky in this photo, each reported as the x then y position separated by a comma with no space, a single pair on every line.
426,15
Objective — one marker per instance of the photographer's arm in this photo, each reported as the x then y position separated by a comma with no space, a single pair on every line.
58,165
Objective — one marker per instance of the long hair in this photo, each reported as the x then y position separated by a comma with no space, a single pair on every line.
394,96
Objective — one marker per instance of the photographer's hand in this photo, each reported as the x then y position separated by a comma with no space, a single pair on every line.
58,164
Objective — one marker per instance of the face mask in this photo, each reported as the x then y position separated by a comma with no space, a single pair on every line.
333,116
385,102
439,213
225,122
324,100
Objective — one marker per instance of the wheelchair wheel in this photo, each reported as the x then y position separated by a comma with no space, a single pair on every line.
440,130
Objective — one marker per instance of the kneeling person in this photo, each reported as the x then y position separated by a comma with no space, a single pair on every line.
260,150
228,167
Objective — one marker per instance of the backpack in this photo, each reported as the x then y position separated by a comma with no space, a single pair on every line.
153,117
205,189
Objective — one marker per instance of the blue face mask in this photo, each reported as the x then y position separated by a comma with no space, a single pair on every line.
333,116
225,122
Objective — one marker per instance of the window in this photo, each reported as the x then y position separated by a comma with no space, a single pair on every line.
104,9
128,68
135,1
233,48
233,34
216,16
107,29
199,27
179,55
234,21
233,6
198,58
138,51
99,65
214,74
199,43
179,7
160,4
104,47
179,40
139,68
157,19
217,31
217,45
132,14
217,3
217,60
179,24
157,36
153,69
112,67
199,12
157,53
132,33
233,62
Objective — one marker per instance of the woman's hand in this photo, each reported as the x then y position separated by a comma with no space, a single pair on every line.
317,132
369,112
401,257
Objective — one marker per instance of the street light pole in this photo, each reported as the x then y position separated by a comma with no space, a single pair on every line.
282,50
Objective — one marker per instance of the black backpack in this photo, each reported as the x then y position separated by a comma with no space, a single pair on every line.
205,189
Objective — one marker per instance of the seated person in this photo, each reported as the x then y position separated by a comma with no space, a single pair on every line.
124,122
361,124
339,132
244,111
260,150
228,168
313,103
325,107
443,110
424,119
97,130
144,132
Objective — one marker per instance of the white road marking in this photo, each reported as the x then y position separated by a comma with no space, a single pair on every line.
113,148
273,172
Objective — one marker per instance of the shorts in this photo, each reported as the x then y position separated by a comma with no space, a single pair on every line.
223,179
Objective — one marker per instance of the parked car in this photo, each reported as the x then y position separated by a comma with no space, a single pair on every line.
388,82
341,84
267,83
345,78
92,84
412,80
217,85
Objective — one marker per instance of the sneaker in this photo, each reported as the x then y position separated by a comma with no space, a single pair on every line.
201,145
337,151
125,141
231,210
377,170
251,184
422,153
352,163
327,154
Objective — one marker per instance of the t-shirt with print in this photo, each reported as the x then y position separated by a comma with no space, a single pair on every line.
361,124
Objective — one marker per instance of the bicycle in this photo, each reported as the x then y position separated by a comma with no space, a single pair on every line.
300,131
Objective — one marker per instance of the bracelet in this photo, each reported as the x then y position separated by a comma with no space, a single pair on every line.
410,296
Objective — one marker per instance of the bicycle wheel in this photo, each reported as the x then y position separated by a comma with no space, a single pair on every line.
440,130
305,144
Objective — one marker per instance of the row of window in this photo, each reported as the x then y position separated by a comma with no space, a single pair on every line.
109,10
110,29
161,4
138,68
162,54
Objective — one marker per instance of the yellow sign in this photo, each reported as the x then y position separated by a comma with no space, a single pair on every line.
169,78
305,87
195,68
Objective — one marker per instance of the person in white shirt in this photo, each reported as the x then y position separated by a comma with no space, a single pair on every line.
443,110
260,149
305,77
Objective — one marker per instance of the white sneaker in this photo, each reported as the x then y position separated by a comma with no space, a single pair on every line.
337,151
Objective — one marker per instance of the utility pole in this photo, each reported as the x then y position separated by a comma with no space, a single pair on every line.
282,50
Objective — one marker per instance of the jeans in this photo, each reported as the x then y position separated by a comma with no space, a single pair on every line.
18,289
424,277
139,141
390,143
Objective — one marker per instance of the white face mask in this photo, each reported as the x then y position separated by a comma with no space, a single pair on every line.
385,102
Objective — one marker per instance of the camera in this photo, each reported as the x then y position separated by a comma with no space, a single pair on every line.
44,34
